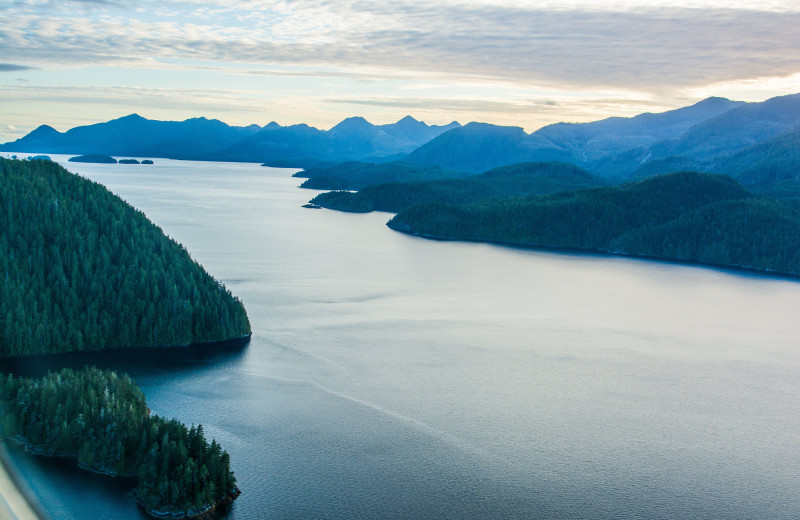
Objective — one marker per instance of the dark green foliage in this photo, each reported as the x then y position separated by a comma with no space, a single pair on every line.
685,216
766,164
667,165
80,269
325,183
101,418
355,175
755,233
344,201
507,181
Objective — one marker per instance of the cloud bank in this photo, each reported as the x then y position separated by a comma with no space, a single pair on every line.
514,62
638,48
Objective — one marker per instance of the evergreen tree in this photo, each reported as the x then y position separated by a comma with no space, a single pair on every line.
102,419
81,269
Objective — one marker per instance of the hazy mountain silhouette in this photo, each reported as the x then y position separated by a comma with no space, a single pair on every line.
134,135
200,138
354,139
477,147
703,137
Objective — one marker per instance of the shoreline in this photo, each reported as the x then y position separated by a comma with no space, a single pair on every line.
16,501
734,269
37,365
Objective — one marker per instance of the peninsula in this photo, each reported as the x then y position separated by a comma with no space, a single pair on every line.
83,270
687,217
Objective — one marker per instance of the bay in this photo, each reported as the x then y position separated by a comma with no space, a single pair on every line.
395,377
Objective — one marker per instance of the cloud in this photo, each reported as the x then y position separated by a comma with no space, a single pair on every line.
666,45
199,100
11,67
672,47
471,105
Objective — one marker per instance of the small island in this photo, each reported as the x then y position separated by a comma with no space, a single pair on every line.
147,161
94,158
100,419
128,161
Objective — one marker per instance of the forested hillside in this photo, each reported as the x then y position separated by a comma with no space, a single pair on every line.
102,419
81,269
683,216
354,175
507,181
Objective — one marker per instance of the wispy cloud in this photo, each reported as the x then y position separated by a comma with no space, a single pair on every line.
12,67
669,46
199,101
317,61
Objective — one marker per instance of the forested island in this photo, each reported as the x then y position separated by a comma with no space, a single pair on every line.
692,217
94,158
100,418
83,270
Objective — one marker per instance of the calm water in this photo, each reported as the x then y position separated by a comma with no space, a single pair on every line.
392,377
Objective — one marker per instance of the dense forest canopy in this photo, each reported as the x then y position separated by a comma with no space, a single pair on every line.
506,181
101,418
685,216
354,175
81,269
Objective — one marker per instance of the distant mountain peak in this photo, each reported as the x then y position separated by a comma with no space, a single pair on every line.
715,99
352,123
407,119
489,127
43,130
130,117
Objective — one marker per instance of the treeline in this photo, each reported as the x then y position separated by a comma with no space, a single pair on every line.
101,418
683,216
507,181
81,269
354,175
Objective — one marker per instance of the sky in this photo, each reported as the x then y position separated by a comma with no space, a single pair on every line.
68,63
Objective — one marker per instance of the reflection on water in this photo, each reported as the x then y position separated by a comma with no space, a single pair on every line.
393,377
132,360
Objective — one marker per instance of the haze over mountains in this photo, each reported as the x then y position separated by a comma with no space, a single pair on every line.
209,139
753,142
617,147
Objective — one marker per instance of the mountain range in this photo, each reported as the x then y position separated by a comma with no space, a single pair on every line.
700,134
756,143
209,139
